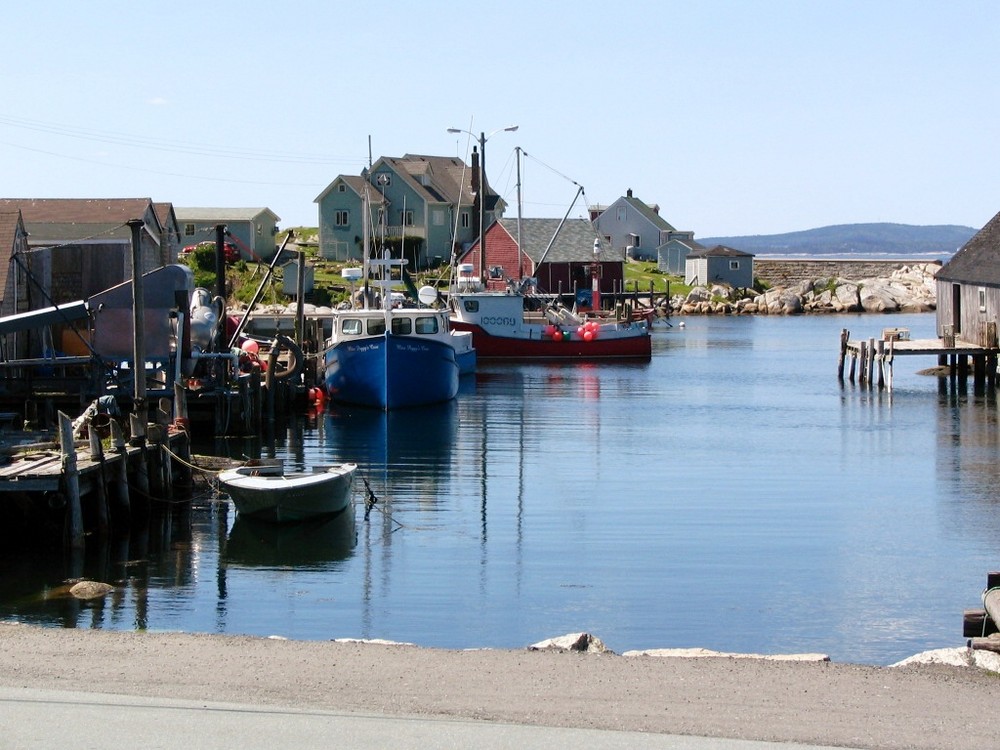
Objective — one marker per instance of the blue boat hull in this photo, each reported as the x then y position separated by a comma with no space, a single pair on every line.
391,372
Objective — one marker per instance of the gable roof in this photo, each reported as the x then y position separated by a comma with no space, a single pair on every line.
574,244
719,251
66,219
649,213
978,260
437,179
689,242
222,214
10,228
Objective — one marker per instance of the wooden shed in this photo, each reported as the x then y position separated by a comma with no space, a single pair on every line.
719,265
968,289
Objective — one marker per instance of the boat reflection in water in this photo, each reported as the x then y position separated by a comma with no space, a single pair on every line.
404,446
302,545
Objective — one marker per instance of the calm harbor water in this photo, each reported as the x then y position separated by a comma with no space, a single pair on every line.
729,494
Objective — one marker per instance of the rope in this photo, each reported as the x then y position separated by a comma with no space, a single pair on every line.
186,463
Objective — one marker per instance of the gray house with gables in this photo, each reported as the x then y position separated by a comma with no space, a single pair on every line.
636,230
422,207
968,289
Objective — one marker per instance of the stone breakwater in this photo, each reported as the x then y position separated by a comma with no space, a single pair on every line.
906,289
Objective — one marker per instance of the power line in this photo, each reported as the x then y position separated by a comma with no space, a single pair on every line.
173,146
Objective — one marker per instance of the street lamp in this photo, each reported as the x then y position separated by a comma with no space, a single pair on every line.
482,192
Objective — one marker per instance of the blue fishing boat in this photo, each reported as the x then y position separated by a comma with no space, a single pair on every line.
391,358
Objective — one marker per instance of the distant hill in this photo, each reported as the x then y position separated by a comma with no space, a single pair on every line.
899,240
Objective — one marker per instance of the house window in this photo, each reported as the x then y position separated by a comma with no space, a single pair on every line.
189,230
341,218
621,213
260,230
437,217
383,179
406,218
341,188
496,272
734,265
465,220
634,241
982,300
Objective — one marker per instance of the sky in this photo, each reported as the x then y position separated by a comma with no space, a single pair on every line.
734,117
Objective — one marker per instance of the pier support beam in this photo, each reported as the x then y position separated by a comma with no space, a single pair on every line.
72,483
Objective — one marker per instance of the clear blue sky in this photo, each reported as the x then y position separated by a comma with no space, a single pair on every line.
750,117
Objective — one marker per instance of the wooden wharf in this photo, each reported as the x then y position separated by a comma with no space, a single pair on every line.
99,485
871,360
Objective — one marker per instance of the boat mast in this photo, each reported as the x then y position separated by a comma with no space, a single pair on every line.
520,251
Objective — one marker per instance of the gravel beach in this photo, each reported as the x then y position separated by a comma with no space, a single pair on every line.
920,706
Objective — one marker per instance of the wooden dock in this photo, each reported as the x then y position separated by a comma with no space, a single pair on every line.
871,360
103,479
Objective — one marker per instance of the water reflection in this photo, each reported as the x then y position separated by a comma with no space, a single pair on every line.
318,543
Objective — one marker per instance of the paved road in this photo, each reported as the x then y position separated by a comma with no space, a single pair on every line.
48,718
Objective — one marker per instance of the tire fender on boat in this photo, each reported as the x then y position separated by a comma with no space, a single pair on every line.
297,358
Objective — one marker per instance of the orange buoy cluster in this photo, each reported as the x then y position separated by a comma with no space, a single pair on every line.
588,331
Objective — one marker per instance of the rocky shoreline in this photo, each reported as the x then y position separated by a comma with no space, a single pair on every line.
910,289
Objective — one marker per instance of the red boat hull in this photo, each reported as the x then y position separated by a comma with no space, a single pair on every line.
502,347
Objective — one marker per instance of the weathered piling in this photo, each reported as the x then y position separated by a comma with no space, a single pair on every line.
71,482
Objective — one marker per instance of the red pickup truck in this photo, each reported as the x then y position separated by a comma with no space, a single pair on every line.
229,250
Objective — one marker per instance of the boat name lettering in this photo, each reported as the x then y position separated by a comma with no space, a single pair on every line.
499,320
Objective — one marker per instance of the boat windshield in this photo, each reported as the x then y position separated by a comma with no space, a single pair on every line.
427,324
351,326
402,326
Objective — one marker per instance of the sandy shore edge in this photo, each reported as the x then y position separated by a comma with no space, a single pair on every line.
918,706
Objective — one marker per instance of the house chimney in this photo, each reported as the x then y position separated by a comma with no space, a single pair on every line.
475,185
628,193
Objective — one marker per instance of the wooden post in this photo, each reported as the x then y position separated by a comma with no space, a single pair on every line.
889,360
159,479
138,440
862,362
123,500
871,361
97,454
843,353
72,482
138,323
881,363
